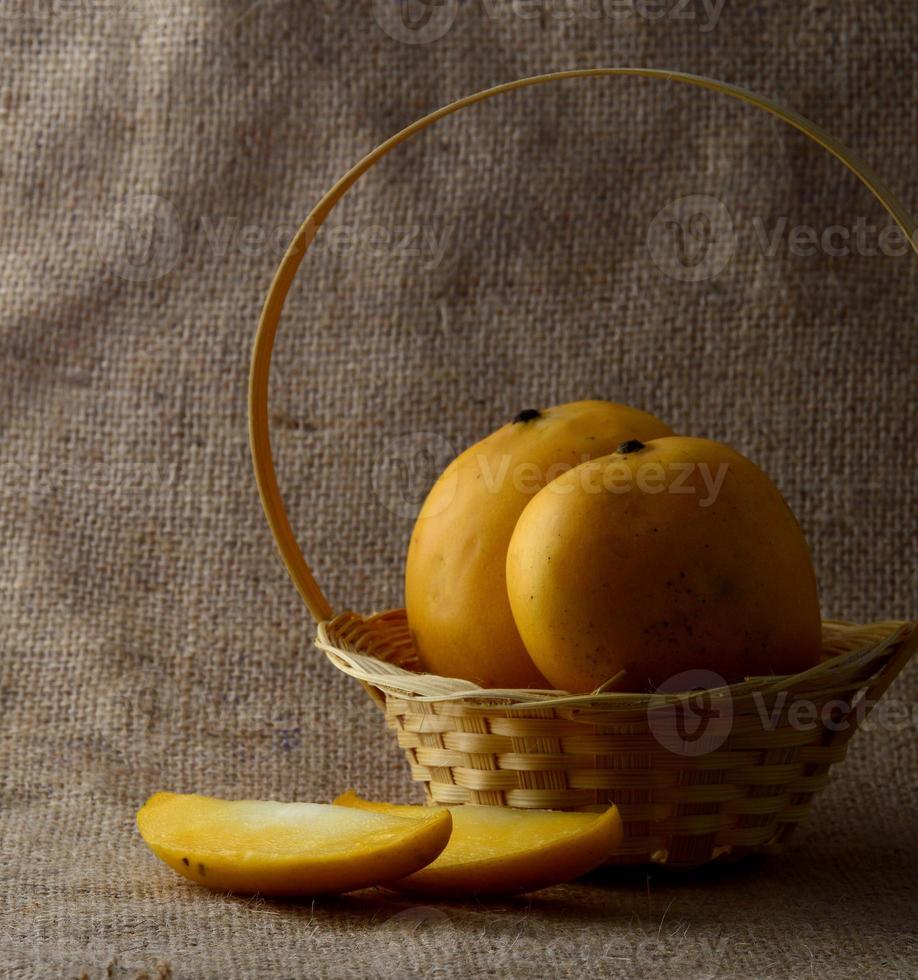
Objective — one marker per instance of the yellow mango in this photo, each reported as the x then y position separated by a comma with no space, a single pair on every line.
499,850
455,579
671,556
271,848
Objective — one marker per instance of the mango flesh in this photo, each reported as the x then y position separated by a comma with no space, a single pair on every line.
271,848
455,579
678,556
496,850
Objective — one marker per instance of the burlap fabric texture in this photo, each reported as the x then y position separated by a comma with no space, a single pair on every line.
155,159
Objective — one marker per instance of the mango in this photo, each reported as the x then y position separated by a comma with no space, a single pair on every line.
499,850
667,556
271,848
455,580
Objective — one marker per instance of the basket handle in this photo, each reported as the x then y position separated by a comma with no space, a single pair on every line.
259,436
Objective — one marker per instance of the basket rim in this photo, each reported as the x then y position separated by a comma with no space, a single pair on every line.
397,682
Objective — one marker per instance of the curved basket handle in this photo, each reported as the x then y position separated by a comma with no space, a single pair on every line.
259,436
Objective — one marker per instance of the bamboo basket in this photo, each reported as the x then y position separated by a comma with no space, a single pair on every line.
739,787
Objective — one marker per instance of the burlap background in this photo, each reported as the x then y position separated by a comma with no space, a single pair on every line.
150,638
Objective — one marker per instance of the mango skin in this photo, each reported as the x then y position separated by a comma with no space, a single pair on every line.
655,583
455,579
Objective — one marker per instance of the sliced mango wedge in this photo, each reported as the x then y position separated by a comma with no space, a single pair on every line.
271,848
496,850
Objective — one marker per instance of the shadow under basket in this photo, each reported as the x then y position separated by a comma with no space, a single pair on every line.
697,776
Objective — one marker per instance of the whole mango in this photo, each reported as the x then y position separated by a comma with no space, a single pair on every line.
455,579
665,557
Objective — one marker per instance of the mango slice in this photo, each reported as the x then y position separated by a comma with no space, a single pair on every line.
496,850
271,848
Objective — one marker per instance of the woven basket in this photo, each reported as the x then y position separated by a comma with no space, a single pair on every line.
697,776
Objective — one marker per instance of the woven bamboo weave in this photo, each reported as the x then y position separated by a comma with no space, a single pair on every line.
542,750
